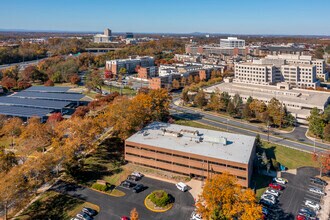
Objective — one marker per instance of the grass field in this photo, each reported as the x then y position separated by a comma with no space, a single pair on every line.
53,205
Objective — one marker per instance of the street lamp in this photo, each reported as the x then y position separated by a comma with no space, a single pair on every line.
268,131
314,144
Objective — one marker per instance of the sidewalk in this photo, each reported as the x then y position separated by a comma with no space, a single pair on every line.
325,205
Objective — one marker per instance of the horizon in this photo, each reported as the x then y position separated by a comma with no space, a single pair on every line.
250,18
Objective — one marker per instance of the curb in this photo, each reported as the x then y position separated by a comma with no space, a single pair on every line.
317,140
154,210
103,192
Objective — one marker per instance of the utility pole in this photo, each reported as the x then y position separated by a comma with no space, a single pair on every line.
314,144
268,131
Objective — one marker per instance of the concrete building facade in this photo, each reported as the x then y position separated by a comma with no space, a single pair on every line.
129,64
193,152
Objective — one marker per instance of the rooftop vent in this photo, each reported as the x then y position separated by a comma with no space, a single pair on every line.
172,133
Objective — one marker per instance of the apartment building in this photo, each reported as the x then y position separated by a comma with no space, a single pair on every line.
129,64
252,73
147,72
198,153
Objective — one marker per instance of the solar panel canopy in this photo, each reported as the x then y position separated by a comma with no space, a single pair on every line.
20,111
71,97
37,103
48,89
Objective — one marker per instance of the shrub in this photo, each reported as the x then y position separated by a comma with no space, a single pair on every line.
100,187
160,198
49,83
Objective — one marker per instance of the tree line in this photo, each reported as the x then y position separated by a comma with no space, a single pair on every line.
254,110
40,151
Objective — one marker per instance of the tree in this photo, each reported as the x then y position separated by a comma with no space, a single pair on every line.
7,160
122,71
196,79
176,84
13,127
214,103
134,215
231,109
74,79
223,198
276,112
190,79
81,111
323,160
200,99
8,83
237,104
94,81
184,96
316,123
49,83
184,81
224,100
326,114
326,132
258,107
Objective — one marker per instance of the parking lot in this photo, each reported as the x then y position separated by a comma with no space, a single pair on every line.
295,194
116,207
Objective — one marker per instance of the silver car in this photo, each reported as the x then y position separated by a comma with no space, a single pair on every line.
316,190
272,192
269,197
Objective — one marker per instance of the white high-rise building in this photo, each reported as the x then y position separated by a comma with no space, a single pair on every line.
232,42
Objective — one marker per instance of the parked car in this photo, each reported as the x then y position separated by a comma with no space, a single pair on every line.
195,216
138,174
301,217
89,211
313,205
127,184
266,203
181,186
265,211
307,211
138,188
316,190
124,218
276,186
269,198
84,216
272,192
280,180
133,178
318,181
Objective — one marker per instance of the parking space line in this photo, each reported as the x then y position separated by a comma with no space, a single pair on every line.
313,195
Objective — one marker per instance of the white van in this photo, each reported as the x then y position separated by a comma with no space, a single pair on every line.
181,186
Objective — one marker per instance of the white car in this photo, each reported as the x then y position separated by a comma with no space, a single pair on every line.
138,174
181,186
316,191
195,216
272,192
268,197
280,180
313,205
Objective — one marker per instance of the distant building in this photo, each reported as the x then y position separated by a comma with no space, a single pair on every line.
232,42
147,72
129,35
129,64
103,38
198,153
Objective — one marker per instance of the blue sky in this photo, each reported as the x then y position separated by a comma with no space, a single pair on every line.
306,17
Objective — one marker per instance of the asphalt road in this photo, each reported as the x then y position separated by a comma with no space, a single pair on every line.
295,139
116,207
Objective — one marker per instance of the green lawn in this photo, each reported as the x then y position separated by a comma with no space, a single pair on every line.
289,157
53,205
194,124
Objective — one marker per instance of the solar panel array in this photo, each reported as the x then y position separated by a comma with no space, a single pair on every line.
48,89
36,103
70,97
20,111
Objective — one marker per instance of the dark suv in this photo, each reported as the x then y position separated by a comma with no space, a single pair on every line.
138,188
318,181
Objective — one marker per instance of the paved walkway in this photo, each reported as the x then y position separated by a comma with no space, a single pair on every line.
325,211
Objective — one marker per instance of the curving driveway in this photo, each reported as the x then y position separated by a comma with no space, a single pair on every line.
115,207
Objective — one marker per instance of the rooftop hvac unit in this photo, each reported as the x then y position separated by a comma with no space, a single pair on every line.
223,140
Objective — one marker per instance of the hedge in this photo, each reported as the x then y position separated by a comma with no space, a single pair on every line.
160,198
100,187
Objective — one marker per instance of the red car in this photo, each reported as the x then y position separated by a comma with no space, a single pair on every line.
124,218
275,186
301,217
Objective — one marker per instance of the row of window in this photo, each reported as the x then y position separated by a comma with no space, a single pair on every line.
181,165
186,157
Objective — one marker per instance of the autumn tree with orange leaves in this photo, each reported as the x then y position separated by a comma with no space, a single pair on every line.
134,215
223,198
323,160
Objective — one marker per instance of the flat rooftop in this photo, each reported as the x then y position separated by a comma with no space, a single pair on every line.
208,143
21,111
60,89
301,97
36,103
70,97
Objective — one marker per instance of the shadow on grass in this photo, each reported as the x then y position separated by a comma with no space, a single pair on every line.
53,206
104,161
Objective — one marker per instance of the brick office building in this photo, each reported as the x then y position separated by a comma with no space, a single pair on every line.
190,151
